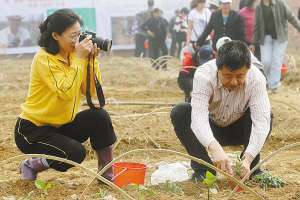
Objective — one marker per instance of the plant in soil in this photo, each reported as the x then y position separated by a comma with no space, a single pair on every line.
171,186
209,181
30,195
101,194
140,189
43,189
269,180
237,171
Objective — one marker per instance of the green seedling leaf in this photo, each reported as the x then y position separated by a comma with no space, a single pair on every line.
149,191
143,197
208,182
213,190
47,187
141,187
134,185
39,184
209,175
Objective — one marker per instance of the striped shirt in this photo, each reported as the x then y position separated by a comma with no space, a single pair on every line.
210,99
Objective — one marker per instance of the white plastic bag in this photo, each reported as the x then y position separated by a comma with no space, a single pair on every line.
172,172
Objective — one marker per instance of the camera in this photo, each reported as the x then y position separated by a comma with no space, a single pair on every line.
102,43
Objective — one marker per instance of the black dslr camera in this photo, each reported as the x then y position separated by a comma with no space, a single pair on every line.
102,43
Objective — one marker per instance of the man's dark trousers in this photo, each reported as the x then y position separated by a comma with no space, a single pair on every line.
235,134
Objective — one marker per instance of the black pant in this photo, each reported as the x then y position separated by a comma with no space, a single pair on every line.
235,134
173,45
179,42
159,43
140,45
257,51
65,142
186,84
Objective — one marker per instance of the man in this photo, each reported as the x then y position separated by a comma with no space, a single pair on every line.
224,22
230,107
146,14
14,35
157,28
173,33
186,74
140,37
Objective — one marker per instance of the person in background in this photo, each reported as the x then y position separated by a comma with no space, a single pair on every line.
172,33
186,74
49,123
214,5
271,31
140,37
193,4
230,107
242,4
180,28
146,14
224,22
14,35
198,19
157,29
248,15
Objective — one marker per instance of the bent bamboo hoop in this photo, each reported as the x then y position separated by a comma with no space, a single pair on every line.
119,140
262,162
9,84
10,109
88,171
157,145
176,153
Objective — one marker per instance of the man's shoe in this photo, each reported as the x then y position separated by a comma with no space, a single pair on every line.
257,172
30,168
197,178
275,91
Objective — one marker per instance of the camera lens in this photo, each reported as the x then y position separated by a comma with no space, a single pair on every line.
103,44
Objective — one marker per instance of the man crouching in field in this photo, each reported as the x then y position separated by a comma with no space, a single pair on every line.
229,107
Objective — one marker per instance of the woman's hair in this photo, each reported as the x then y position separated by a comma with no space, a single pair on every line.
193,4
199,1
249,3
58,22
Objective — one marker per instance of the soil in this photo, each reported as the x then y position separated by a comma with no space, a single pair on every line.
143,85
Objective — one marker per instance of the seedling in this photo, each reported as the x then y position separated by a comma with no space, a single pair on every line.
43,189
101,194
267,179
237,172
171,186
209,180
140,189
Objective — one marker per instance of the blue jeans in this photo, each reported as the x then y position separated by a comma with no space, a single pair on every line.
272,54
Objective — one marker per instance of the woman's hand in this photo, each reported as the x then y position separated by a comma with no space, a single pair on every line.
84,48
95,51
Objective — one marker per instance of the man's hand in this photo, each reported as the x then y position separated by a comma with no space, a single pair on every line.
246,164
151,33
196,45
220,158
252,48
295,36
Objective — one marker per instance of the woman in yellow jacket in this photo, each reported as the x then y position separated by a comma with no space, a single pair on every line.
49,123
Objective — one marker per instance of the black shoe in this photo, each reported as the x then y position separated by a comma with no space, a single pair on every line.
197,178
257,172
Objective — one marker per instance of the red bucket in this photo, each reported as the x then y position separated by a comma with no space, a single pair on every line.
129,172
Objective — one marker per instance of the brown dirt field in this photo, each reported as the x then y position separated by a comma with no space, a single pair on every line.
145,86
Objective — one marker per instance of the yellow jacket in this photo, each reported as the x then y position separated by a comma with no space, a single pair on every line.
55,88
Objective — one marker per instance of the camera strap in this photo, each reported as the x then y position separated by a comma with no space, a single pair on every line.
99,90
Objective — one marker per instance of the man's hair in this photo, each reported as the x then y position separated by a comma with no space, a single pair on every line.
150,3
249,3
185,10
58,22
233,55
156,10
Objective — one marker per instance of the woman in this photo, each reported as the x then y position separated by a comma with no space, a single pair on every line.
49,123
197,21
248,15
180,28
225,23
271,31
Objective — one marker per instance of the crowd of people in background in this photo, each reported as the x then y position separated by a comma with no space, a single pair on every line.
261,24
